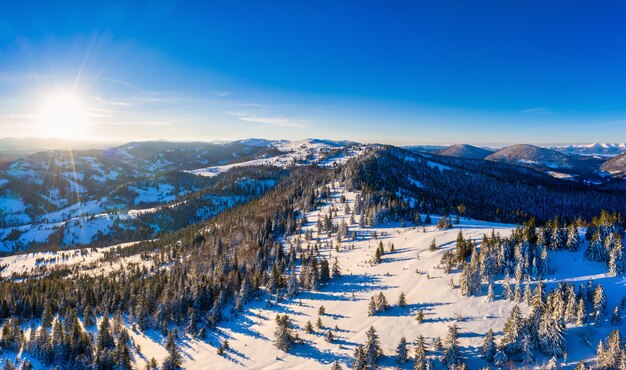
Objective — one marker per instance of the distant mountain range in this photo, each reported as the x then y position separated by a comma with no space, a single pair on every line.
596,149
569,163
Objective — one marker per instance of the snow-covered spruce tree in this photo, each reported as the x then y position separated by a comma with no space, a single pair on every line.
581,313
420,354
401,352
550,335
553,364
539,299
359,357
526,346
381,302
599,302
512,330
372,309
611,354
616,259
122,352
173,361
89,319
490,293
451,355
293,287
283,336
616,317
573,240
489,346
571,306
336,366
595,250
527,292
507,293
500,358
371,349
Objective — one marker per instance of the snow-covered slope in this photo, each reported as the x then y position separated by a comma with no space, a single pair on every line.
615,165
304,152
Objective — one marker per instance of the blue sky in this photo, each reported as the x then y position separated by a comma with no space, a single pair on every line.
406,72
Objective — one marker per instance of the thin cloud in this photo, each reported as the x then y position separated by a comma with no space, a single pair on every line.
537,110
265,120
223,93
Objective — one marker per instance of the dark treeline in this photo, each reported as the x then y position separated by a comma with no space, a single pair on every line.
490,193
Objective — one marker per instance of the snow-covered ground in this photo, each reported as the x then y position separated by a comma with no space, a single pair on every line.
411,268
295,153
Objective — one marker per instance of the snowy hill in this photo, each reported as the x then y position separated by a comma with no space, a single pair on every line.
530,155
615,165
464,151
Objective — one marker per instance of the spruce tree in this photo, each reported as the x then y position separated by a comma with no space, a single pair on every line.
173,361
616,317
451,355
401,352
489,346
371,349
599,302
283,336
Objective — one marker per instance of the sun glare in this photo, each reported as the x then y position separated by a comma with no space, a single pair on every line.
63,116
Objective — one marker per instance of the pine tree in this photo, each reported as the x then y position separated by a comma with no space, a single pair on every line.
506,288
595,250
105,338
616,317
433,246
88,317
381,302
616,260
336,366
336,269
402,300
47,317
420,354
581,312
359,356
573,240
599,302
122,353
526,346
283,335
550,335
329,336
500,358
173,361
490,292
401,352
570,309
371,349
489,346
512,331
308,327
419,317
452,355
552,364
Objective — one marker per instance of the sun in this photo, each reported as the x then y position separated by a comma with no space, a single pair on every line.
63,116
